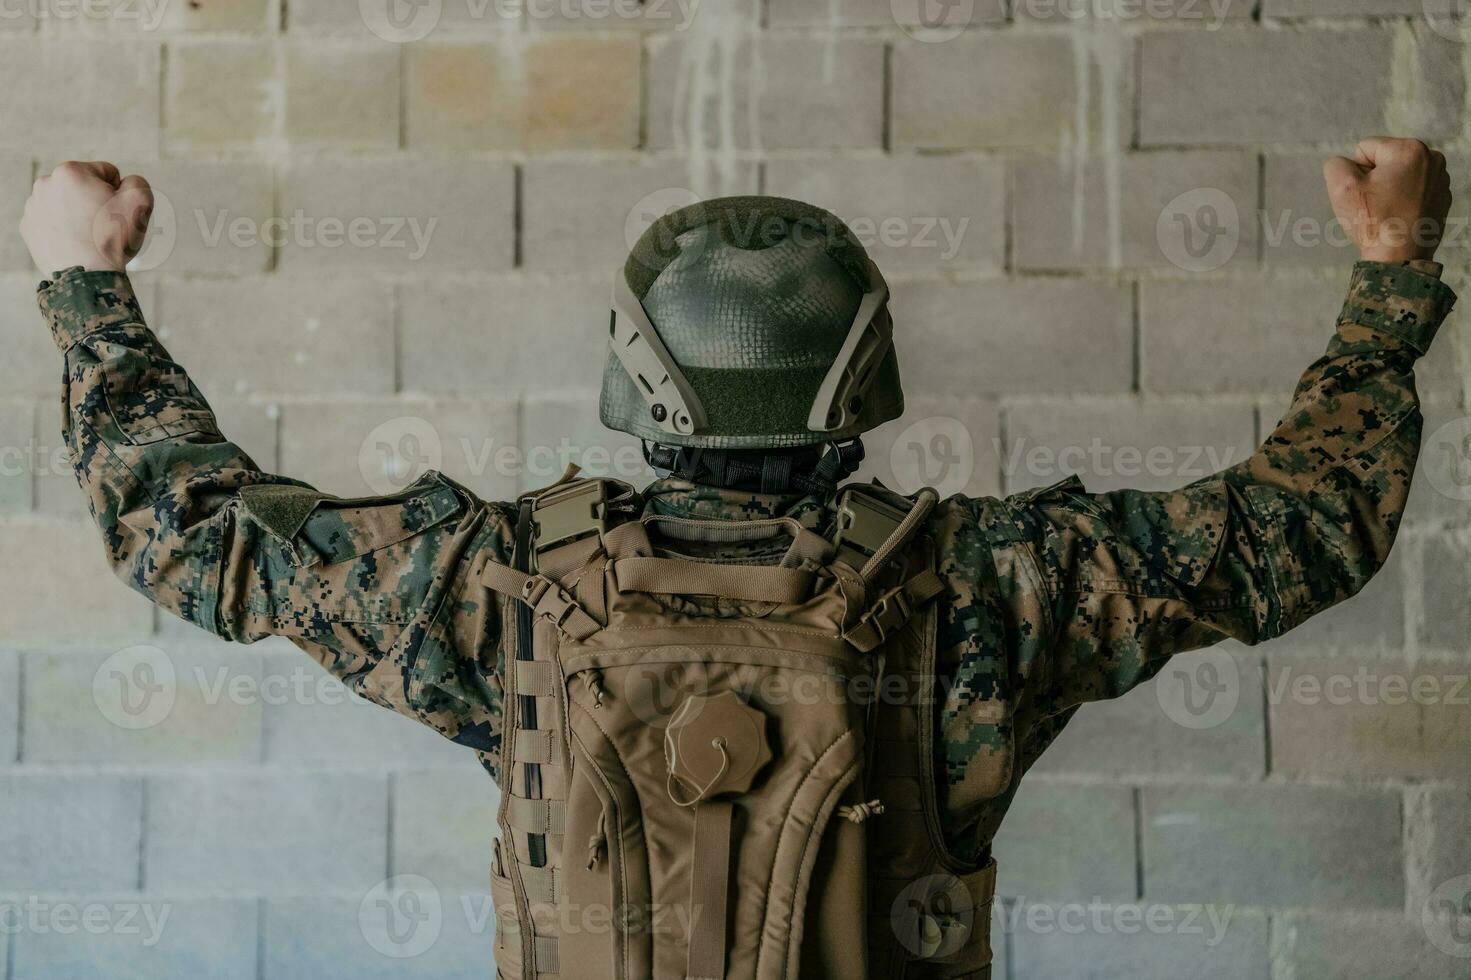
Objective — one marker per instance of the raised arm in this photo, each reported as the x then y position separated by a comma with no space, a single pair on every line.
1302,524
190,521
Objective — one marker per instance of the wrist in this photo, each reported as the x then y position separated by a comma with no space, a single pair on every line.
1394,256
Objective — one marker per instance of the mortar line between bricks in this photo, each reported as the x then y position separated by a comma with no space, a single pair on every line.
163,88
518,182
388,855
20,707
260,939
1008,948
1136,296
396,340
886,100
1138,797
1261,208
1266,696
1136,109
143,834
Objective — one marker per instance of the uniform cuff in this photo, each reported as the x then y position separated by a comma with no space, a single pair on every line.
76,303
1405,300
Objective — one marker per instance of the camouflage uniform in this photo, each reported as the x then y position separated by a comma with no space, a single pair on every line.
1103,588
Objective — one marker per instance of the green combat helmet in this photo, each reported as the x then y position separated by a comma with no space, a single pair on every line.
748,324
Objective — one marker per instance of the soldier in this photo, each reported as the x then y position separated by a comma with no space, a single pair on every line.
751,348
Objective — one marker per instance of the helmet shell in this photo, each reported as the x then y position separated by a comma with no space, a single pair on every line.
753,297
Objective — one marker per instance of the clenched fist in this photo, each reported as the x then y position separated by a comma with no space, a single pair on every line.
84,214
1392,198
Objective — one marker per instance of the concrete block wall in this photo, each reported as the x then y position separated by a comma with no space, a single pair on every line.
385,244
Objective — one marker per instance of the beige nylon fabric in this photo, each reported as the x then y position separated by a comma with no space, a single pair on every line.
784,888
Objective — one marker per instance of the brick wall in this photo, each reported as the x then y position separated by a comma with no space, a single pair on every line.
386,244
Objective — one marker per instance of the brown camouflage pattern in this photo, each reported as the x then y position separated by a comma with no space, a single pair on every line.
1054,597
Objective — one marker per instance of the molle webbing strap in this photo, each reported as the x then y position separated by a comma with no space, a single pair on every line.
543,885
536,678
924,503
533,746
536,816
709,891
544,948
545,597
892,610
525,704
633,539
749,583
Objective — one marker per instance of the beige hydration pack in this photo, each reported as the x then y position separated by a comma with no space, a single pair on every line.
718,750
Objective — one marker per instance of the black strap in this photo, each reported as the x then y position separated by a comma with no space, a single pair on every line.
521,560
802,469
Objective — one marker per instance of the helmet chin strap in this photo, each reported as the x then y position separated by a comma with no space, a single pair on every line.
805,469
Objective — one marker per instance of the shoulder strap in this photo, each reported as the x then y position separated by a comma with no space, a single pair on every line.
870,531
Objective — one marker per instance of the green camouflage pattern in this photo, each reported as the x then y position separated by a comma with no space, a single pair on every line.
1054,597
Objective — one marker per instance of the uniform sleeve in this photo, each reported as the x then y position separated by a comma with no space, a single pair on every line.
375,589
1249,553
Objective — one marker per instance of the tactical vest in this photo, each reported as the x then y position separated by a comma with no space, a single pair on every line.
716,765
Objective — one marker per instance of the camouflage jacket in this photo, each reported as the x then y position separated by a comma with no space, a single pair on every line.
1101,590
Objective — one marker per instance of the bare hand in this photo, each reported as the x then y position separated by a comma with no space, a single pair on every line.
1392,198
84,214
